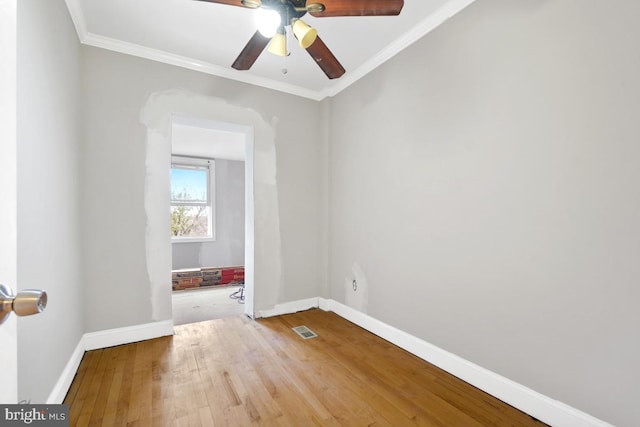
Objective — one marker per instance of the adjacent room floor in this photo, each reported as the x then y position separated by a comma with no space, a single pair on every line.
198,305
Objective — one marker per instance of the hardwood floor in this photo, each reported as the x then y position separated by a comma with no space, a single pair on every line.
239,372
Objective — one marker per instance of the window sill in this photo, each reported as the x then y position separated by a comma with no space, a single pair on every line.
193,240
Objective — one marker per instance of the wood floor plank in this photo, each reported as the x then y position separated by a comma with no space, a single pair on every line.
107,370
127,356
75,385
240,372
88,389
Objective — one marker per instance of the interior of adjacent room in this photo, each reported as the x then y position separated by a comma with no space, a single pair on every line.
207,220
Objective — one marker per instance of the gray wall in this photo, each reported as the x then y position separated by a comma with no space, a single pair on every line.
228,248
485,185
49,255
116,90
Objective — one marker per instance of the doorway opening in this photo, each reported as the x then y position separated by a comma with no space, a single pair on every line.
211,219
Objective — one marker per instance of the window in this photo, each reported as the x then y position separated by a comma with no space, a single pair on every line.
191,201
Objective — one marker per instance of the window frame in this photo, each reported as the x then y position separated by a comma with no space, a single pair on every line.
208,164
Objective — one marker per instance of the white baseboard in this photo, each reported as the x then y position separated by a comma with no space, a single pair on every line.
61,388
324,304
529,401
126,335
290,307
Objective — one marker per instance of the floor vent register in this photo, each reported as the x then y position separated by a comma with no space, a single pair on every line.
304,332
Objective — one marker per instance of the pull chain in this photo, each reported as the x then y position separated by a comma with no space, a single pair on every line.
286,44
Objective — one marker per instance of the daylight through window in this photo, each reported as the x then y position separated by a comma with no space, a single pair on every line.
191,207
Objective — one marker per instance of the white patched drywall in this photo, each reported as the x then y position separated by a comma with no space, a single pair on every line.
356,289
267,261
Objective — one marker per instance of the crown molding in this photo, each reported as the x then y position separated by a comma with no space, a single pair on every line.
195,65
77,16
423,28
414,34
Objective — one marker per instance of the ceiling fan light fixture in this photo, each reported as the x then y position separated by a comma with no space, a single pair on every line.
268,21
305,34
278,45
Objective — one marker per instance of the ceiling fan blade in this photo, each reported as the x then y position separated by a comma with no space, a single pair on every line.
229,2
359,8
251,51
325,59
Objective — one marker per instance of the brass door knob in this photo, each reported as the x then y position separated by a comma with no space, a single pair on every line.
25,303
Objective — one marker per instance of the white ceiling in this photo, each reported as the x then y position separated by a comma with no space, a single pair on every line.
208,37
196,137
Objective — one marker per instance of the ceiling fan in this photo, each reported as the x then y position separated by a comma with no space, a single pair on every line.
280,14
